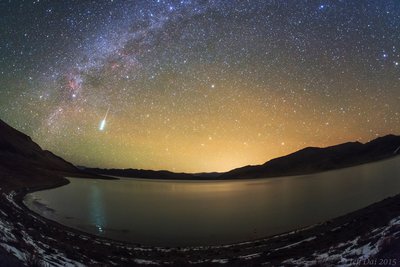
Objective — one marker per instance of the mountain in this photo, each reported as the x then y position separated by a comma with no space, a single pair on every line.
137,173
305,161
150,174
19,153
314,159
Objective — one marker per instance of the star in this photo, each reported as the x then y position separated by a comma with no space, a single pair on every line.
185,73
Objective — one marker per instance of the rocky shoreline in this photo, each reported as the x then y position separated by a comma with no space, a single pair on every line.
370,236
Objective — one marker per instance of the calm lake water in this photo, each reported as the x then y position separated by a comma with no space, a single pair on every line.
179,213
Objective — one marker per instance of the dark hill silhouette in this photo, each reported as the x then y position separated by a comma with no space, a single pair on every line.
305,161
138,173
150,174
314,159
19,153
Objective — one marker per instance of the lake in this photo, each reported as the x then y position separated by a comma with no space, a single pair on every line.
182,213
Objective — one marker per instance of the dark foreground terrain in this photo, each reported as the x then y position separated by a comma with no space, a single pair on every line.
370,236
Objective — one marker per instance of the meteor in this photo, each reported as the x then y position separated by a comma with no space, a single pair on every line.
103,122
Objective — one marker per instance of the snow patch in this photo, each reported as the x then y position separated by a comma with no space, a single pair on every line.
16,252
250,256
146,262
221,261
296,243
6,232
10,197
354,251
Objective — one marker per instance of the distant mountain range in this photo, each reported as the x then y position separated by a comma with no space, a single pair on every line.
19,153
305,161
137,173
315,159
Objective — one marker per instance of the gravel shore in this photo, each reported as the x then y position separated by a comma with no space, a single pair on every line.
370,236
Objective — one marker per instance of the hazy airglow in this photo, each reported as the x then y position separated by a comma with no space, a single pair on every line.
197,85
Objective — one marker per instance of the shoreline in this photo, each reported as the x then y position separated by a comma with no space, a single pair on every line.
110,231
357,232
221,179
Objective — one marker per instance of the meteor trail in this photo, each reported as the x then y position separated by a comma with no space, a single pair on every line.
103,122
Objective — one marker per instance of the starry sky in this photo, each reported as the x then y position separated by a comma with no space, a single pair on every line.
197,85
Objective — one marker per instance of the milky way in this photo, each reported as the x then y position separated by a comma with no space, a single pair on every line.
198,85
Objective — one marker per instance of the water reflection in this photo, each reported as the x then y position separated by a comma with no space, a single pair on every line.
214,212
97,214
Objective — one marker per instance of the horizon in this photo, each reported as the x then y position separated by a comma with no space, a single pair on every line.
349,141
198,86
199,132
224,171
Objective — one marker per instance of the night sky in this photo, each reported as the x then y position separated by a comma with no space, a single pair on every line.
198,85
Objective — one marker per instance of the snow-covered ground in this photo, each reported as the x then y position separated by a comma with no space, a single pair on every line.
353,251
23,247
19,238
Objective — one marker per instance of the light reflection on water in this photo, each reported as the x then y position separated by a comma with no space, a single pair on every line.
158,212
97,216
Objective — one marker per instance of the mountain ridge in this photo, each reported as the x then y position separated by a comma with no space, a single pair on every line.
18,152
316,159
325,158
